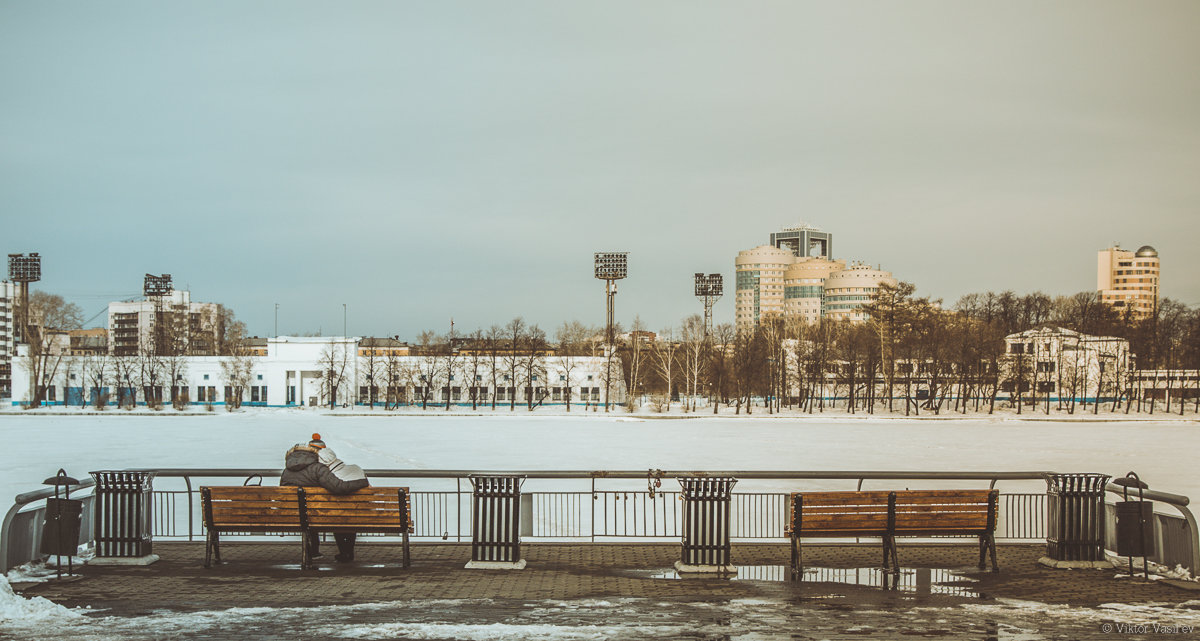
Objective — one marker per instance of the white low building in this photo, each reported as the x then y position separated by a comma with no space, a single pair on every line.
1064,364
326,371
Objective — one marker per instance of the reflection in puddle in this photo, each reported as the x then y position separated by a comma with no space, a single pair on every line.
915,580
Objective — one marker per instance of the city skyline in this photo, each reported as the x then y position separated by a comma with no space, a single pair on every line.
419,163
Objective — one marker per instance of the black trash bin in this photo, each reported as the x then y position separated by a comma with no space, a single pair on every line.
64,519
1135,523
123,514
706,524
1075,516
496,522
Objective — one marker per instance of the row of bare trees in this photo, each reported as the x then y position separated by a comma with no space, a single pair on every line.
160,361
913,354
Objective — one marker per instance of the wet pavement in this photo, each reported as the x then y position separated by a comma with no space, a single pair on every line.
607,592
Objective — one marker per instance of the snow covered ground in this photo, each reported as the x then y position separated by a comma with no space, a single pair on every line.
599,619
1162,452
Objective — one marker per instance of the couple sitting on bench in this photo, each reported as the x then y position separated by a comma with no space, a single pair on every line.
312,464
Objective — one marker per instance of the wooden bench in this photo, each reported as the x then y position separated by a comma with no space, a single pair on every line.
885,514
284,510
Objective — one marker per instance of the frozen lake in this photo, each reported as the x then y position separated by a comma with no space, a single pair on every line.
1162,453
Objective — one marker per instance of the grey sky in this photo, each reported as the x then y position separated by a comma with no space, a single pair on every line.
422,160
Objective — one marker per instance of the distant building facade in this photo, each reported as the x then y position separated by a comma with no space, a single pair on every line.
1058,363
796,277
163,325
1129,280
804,241
846,292
296,371
8,330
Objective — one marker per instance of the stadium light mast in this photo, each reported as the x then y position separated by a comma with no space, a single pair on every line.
22,270
610,267
708,289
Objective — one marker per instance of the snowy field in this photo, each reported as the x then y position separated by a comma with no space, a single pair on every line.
1163,453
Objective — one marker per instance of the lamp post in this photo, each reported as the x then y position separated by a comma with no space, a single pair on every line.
610,267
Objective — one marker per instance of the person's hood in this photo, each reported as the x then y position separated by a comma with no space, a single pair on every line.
339,467
300,457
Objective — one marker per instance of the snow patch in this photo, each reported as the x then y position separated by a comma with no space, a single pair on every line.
15,608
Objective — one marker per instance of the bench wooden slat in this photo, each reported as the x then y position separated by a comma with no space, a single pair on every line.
251,491
238,510
974,496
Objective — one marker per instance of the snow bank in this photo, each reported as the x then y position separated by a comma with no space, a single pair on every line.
17,609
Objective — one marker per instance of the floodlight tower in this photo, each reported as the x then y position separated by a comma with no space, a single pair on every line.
22,270
708,290
156,289
610,267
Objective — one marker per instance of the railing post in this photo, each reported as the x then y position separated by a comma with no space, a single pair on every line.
496,523
123,512
706,524
1075,520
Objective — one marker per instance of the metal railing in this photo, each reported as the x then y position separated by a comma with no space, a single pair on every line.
603,505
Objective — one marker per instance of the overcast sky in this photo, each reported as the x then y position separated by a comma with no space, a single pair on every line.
419,161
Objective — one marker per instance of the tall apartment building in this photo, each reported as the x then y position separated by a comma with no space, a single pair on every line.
760,290
1128,280
797,277
845,292
162,325
8,299
804,286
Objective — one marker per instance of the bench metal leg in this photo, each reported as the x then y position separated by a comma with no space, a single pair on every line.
407,560
889,549
992,547
305,559
210,544
797,567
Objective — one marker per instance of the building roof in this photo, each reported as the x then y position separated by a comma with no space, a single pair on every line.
1146,251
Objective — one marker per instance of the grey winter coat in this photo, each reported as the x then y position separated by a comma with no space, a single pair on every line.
303,467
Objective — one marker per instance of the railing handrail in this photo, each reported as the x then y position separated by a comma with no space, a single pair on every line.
48,492
635,474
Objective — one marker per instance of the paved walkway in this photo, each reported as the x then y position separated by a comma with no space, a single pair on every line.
611,591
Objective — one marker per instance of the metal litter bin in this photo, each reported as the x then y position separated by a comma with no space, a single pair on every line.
706,523
1075,519
64,518
123,513
495,521
1135,523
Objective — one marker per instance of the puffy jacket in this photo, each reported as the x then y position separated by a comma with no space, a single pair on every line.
303,467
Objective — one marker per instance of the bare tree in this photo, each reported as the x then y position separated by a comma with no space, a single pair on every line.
514,334
493,340
476,359
533,365
571,338
429,364
664,354
334,362
45,324
694,346
236,369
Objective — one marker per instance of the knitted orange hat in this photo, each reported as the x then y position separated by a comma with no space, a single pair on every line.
316,441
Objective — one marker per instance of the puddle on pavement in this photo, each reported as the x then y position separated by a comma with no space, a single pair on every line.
939,581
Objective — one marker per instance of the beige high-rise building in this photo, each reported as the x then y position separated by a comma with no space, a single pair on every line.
1128,280
780,279
848,290
804,286
759,291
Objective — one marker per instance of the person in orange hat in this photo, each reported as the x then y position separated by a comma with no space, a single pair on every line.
313,464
